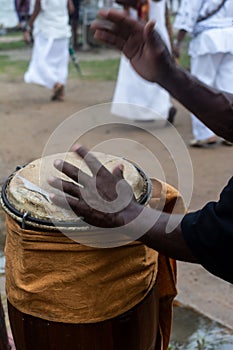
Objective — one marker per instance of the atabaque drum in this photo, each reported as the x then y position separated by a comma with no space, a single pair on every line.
63,293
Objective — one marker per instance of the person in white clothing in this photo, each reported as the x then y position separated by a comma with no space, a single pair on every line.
132,90
210,23
50,56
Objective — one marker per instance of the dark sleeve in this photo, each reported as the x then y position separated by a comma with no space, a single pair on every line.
209,234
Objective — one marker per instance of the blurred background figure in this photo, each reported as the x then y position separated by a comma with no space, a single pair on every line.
210,24
173,5
32,6
50,57
22,8
131,89
74,21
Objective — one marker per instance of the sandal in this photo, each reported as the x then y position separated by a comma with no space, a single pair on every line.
58,94
227,143
208,143
171,115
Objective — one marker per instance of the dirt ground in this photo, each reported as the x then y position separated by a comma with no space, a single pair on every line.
28,118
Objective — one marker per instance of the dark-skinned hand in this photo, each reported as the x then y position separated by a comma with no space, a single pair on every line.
103,200
140,43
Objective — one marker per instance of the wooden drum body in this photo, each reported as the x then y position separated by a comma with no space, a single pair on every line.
65,295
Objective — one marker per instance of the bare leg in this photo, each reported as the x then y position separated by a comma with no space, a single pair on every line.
74,26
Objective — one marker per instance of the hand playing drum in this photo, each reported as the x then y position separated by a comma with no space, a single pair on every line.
104,189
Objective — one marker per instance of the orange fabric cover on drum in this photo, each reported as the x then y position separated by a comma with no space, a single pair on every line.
54,278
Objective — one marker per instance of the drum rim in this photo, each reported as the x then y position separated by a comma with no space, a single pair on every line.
27,220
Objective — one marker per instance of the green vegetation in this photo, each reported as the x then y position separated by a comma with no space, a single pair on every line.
96,70
12,69
91,70
185,59
15,32
12,45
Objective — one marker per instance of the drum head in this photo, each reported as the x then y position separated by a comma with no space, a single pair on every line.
25,194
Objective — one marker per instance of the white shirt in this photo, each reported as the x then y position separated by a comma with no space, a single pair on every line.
212,35
53,19
157,12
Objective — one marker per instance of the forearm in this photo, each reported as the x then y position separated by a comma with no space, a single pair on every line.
156,224
35,13
70,7
214,108
147,53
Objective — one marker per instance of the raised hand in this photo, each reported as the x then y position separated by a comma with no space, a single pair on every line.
139,42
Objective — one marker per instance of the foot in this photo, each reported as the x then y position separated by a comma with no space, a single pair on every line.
226,143
171,115
207,143
58,92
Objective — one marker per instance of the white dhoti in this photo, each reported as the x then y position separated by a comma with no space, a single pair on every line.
49,62
210,49
131,90
215,70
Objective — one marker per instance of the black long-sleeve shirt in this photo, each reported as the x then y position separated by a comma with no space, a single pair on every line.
209,234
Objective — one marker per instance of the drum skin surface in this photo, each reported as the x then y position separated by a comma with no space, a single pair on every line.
27,190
